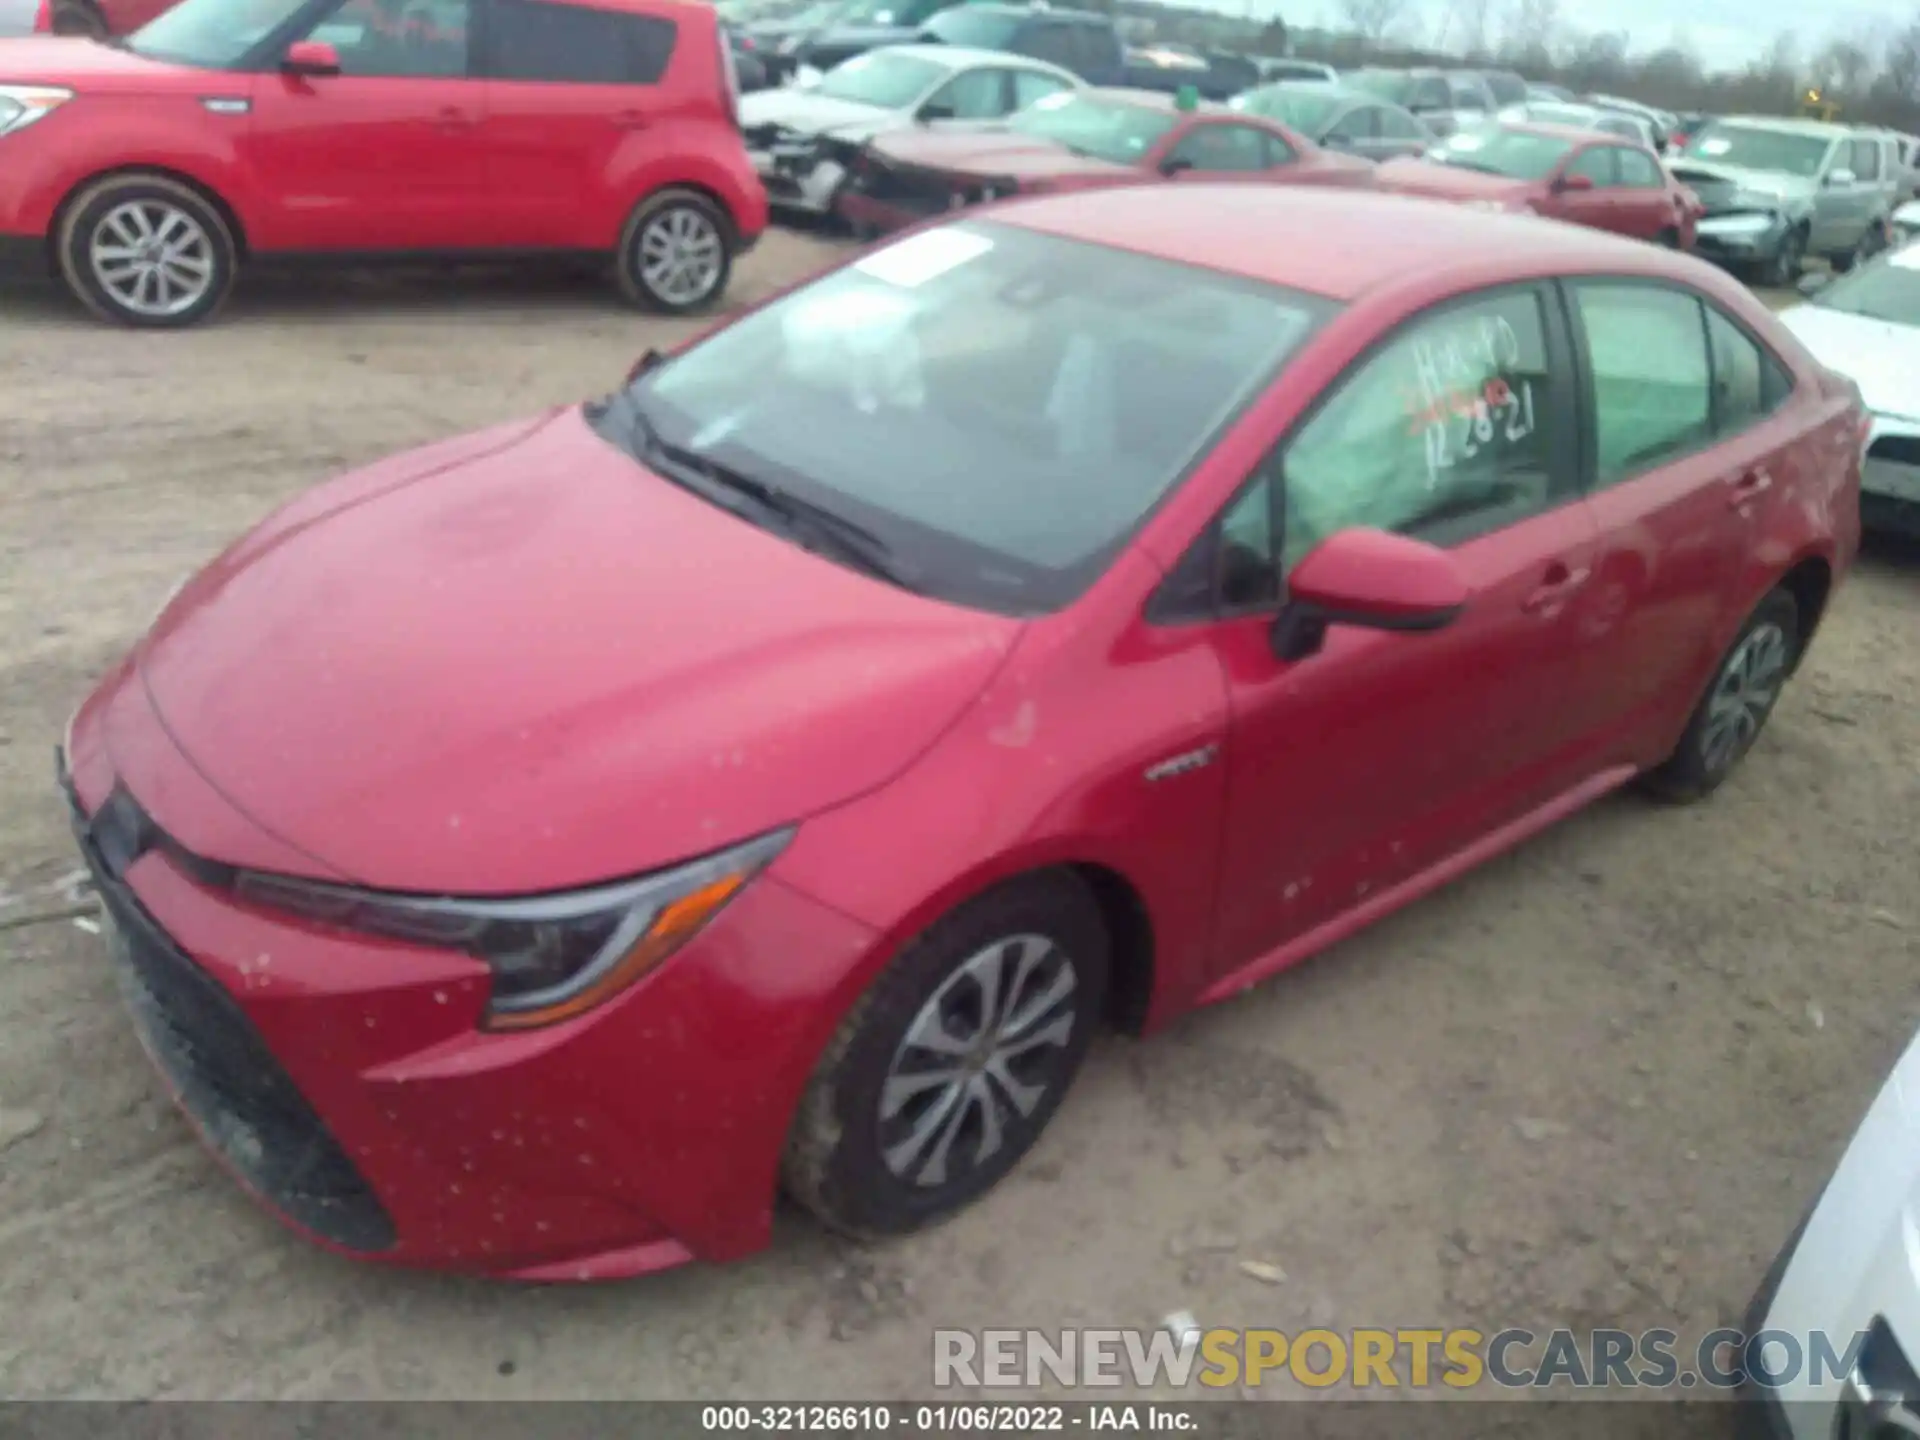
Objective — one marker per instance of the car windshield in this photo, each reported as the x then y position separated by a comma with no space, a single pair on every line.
1099,129
884,78
211,34
1394,85
1888,289
1304,108
997,408
1750,147
1497,150
978,29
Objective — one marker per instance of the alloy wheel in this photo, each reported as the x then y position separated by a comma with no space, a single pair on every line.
1743,696
152,258
682,256
978,1059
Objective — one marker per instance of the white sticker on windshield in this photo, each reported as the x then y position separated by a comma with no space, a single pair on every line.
1907,257
924,257
1715,145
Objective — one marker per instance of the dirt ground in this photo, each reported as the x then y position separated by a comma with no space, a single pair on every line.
1592,1084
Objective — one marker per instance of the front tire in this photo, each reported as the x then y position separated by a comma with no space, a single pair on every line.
676,253
148,252
1739,701
946,1071
1782,269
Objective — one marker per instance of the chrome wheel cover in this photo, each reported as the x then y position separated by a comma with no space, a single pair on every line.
1743,696
153,258
681,255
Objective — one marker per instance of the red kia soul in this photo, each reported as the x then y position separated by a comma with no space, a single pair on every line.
148,171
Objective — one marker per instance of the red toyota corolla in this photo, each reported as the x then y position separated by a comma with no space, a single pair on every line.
147,172
1077,140
1582,177
531,852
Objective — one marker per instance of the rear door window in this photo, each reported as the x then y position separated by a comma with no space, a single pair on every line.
1866,160
1652,396
1748,383
1032,85
537,40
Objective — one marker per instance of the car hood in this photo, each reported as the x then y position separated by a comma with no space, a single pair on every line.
993,151
1450,182
1706,178
1882,358
810,114
86,65
521,661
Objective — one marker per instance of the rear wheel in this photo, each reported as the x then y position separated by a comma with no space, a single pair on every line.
147,251
1737,704
77,17
676,252
948,1068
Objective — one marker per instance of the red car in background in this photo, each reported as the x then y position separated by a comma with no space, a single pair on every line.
97,18
148,171
1580,176
1076,140
530,853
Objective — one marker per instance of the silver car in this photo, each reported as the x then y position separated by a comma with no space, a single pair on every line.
1340,118
1776,191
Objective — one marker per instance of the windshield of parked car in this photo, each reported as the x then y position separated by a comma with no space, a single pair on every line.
1753,147
1888,289
884,78
211,34
1000,408
1394,85
1098,129
1305,107
978,29
1498,150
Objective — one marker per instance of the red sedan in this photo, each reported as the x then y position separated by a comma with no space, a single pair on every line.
1076,140
1583,177
232,131
531,852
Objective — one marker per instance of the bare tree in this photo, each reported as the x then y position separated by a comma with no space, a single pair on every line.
1373,20
1531,36
1900,74
1465,23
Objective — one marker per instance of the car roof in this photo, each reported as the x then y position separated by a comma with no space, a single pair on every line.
1335,242
965,57
1790,124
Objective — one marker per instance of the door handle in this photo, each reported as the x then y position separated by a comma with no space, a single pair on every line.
1748,488
1556,587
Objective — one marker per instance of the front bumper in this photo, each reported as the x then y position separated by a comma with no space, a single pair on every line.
1716,238
1890,476
345,1082
797,178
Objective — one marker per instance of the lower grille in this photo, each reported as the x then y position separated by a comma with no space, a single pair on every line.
243,1101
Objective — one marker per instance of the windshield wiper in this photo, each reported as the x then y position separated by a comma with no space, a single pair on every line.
803,520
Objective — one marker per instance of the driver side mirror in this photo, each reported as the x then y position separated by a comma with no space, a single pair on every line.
934,110
1369,579
314,59
1574,182
1174,164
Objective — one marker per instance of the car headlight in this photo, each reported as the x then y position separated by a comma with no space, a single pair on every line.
21,105
553,956
1749,224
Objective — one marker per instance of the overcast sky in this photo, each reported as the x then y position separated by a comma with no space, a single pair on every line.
1725,33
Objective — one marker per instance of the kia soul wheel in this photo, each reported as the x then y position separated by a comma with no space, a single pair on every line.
1737,704
948,1069
147,251
675,253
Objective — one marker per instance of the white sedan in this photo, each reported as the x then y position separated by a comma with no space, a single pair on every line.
1866,325
801,136
1848,1281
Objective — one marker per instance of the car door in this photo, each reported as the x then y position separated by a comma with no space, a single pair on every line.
387,155
573,102
1376,758
1671,481
1596,203
1834,200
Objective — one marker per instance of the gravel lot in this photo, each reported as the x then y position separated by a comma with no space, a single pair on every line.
1592,1084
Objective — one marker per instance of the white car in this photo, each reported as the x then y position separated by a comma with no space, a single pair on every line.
1866,325
1851,1270
801,136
